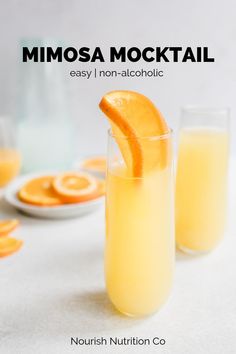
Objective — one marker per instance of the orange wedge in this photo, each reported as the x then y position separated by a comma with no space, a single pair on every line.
7,226
136,125
9,245
96,164
39,191
73,187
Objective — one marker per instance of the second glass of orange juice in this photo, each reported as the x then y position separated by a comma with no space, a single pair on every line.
201,183
10,159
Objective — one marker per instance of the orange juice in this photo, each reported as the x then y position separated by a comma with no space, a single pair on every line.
201,188
139,257
9,165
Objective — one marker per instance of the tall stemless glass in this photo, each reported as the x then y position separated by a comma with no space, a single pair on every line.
9,155
139,254
201,182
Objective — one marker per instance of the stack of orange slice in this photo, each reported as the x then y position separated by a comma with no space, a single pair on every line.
8,245
138,127
68,187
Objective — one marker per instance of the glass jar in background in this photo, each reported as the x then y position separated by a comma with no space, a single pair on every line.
202,178
10,159
45,129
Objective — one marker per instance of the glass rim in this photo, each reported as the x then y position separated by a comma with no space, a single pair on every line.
209,110
151,137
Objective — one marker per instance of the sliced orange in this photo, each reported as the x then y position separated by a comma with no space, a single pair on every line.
7,226
101,189
73,187
9,245
95,164
39,191
136,125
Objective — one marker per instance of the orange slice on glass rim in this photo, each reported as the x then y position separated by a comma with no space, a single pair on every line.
39,191
9,245
137,126
74,187
7,226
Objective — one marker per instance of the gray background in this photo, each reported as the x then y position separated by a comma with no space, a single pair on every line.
139,23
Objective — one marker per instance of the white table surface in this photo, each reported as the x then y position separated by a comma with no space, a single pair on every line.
54,289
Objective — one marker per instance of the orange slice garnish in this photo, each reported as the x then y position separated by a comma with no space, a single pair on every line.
73,187
7,226
9,245
39,191
136,125
95,164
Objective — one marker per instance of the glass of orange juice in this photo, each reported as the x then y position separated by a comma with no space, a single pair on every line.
139,252
201,181
10,159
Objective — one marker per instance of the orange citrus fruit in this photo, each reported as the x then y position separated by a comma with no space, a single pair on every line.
39,191
9,245
7,226
95,164
73,187
101,189
136,125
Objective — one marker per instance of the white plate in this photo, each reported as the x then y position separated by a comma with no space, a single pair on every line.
55,212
